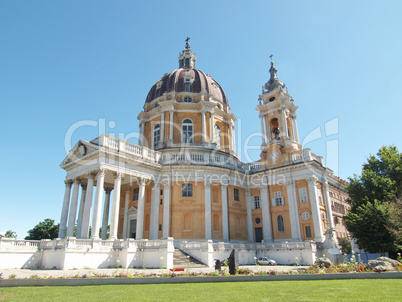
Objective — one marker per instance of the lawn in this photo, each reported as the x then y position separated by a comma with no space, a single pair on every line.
333,290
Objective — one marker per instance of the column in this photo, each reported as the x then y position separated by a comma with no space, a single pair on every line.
125,213
105,218
64,209
141,138
295,128
154,221
262,130
249,200
73,209
96,218
81,210
140,210
315,209
162,135
88,207
293,211
266,219
166,207
114,218
212,127
208,229
203,125
328,205
225,222
171,125
285,125
231,136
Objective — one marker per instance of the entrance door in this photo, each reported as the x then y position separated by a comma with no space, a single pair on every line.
133,228
258,234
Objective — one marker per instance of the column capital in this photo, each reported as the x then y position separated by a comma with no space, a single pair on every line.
91,175
248,191
83,186
224,185
118,175
313,179
77,180
166,182
108,190
207,183
143,181
264,190
68,182
102,171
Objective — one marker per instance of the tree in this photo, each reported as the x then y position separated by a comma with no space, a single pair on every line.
346,246
394,224
43,230
372,198
9,234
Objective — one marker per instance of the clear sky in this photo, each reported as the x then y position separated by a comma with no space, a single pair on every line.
64,62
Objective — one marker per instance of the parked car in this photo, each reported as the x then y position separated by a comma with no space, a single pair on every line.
266,261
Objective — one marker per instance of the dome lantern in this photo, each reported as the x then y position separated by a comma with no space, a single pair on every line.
187,58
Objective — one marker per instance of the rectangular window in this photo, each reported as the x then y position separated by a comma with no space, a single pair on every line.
278,199
308,232
256,202
161,202
303,195
236,194
187,190
160,227
161,192
135,195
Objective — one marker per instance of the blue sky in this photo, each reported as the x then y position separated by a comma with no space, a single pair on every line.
62,62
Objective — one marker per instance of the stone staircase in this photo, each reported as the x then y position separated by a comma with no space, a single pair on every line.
180,260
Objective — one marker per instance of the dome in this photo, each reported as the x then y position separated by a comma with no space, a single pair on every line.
187,81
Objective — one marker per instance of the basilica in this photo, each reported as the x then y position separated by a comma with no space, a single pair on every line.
184,187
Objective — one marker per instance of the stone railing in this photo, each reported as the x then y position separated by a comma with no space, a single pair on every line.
264,246
11,242
197,157
122,146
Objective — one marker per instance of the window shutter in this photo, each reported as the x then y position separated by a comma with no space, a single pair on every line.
283,200
273,202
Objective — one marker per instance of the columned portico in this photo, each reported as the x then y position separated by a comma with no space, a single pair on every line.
73,209
81,210
88,207
318,231
126,202
64,210
114,219
140,210
105,218
96,218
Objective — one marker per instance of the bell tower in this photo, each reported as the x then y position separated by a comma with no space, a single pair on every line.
278,119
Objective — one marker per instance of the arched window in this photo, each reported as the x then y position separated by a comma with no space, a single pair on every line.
275,128
281,226
187,131
157,135
217,135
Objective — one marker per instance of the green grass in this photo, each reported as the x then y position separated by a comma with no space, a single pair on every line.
331,290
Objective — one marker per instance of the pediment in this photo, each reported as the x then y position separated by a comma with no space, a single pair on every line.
132,210
80,150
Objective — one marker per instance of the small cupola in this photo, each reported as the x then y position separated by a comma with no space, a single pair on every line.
187,58
273,82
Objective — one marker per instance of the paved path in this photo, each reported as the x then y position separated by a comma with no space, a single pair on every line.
26,273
